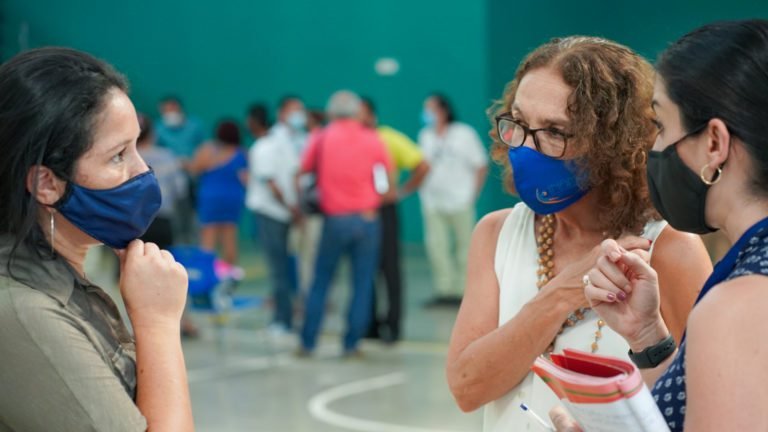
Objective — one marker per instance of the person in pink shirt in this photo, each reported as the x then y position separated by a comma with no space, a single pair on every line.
351,165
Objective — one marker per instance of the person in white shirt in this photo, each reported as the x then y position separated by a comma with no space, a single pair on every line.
459,166
271,196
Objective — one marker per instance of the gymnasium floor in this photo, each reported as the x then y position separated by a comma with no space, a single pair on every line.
244,378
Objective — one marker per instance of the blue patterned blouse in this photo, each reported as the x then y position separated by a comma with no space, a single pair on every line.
748,256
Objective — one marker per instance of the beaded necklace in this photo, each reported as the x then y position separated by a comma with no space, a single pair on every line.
545,242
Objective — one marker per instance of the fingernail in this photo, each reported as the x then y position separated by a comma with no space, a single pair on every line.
611,297
628,289
621,296
650,242
614,256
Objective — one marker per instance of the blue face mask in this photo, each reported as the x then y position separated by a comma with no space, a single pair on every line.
546,185
428,118
114,216
297,120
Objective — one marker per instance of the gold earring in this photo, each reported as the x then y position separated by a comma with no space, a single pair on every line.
718,175
53,230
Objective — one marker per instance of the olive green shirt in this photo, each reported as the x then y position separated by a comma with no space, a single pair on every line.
67,361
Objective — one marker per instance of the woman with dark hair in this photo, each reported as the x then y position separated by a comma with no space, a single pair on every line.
458,167
572,132
223,169
708,171
71,178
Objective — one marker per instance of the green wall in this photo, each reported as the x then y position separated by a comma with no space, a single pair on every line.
222,56
517,27
648,26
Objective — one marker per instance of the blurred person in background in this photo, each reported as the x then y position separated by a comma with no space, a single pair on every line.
346,155
178,131
222,167
271,196
70,179
315,120
182,134
257,120
173,186
291,129
406,157
172,180
572,132
291,122
458,167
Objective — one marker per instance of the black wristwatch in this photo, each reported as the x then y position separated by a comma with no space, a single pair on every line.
655,354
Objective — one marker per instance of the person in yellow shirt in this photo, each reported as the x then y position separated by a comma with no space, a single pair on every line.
406,156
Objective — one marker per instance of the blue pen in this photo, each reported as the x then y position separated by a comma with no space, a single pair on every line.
541,421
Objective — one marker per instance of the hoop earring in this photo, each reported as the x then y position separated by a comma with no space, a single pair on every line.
716,178
53,231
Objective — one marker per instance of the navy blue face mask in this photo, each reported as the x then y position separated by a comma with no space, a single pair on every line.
114,216
545,184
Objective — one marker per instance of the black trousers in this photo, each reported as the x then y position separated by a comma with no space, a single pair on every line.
386,325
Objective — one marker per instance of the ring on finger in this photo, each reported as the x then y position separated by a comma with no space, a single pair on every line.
585,280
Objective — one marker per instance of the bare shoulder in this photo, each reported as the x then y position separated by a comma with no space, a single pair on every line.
207,147
675,245
731,314
485,239
490,225
683,251
683,266
727,350
738,303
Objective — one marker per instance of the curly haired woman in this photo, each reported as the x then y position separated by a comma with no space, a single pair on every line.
572,131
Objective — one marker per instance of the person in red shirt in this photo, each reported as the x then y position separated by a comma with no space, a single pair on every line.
348,160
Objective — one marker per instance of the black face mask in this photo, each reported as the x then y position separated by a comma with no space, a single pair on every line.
677,192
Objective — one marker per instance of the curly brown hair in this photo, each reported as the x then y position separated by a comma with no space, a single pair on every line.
611,115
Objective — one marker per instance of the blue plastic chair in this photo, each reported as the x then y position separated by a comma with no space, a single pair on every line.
210,292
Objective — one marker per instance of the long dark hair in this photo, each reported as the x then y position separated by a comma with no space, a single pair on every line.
720,71
49,102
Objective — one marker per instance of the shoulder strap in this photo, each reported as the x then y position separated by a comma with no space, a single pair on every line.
652,231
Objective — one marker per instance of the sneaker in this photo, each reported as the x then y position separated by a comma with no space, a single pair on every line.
277,331
353,354
302,353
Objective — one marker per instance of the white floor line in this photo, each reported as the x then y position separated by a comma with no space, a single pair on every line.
258,336
236,366
318,405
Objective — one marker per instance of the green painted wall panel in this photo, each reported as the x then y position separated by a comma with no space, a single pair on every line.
221,56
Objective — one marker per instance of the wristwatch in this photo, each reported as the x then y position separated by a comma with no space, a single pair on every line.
655,354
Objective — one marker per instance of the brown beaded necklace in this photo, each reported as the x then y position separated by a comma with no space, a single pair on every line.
545,241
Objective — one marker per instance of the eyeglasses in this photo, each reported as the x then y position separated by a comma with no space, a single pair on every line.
548,141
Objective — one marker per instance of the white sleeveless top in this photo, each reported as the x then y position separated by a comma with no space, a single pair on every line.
516,263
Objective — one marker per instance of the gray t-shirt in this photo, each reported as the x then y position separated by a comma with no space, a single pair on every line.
67,361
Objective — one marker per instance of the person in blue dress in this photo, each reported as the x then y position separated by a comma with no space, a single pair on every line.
708,171
222,167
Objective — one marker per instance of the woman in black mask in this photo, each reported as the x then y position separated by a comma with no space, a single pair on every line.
708,171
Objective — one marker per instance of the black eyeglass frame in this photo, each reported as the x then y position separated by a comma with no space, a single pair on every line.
528,131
